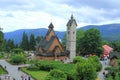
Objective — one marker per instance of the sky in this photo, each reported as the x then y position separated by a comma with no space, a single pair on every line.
33,14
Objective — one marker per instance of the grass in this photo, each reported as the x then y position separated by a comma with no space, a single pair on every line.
38,75
2,71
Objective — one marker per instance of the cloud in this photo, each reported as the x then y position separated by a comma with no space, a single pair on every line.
18,14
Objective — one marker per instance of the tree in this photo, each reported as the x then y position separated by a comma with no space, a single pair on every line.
32,42
9,45
1,40
64,41
91,43
25,43
38,39
85,71
115,45
80,34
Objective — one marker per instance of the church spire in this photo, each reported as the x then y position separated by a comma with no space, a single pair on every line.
51,26
72,16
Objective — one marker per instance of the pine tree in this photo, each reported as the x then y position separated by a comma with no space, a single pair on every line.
1,40
10,45
32,42
25,43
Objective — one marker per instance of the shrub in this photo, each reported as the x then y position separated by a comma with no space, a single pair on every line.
85,71
96,63
56,75
18,50
78,59
18,59
33,68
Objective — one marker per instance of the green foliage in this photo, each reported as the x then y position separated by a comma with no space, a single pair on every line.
2,71
1,40
117,77
109,78
32,42
38,39
25,43
50,65
18,59
9,45
64,41
115,45
91,43
95,61
79,36
78,59
18,50
56,75
85,71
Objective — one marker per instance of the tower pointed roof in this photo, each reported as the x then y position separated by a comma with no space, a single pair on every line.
70,22
51,26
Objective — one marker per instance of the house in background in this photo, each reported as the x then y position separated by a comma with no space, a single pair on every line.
113,57
107,50
50,48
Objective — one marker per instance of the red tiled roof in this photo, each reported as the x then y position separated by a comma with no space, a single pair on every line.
107,49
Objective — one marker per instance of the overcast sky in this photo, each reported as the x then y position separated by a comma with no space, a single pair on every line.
32,14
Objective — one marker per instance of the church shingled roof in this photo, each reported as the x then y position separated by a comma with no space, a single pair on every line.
46,44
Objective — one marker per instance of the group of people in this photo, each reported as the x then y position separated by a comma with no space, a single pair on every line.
25,77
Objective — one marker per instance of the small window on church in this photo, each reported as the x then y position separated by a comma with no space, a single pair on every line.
73,32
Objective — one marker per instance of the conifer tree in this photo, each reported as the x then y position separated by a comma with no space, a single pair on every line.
25,42
32,42
1,40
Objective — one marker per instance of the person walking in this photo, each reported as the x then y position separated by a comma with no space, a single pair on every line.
28,77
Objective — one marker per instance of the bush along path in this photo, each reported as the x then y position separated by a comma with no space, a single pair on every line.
13,72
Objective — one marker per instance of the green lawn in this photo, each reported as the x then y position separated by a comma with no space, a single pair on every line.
2,71
39,75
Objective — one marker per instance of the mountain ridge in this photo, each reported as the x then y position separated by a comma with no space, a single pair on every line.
109,32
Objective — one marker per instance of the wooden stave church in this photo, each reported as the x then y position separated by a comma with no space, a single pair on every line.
50,48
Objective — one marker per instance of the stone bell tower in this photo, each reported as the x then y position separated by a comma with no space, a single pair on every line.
71,37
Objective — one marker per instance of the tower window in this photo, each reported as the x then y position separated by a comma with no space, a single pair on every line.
73,32
68,32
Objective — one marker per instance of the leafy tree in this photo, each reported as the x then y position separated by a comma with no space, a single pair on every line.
85,71
56,75
115,45
79,36
1,40
25,42
91,43
32,42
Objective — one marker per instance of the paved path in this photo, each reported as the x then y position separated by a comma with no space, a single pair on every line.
100,74
13,70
